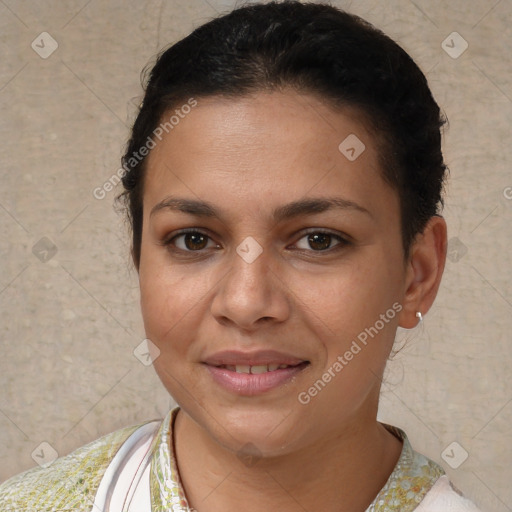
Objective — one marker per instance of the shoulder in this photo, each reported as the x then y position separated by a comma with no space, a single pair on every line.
444,497
69,483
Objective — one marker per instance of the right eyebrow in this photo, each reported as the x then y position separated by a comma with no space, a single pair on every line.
190,206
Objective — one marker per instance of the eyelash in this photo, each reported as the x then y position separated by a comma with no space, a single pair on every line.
342,241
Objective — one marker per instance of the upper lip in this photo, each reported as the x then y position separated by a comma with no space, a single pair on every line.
253,358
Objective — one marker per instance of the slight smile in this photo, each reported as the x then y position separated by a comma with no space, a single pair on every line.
253,373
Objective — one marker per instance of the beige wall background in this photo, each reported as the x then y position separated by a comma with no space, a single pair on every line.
69,308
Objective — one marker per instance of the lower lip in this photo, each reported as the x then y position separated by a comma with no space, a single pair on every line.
249,384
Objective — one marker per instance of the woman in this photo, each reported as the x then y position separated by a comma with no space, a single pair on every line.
283,182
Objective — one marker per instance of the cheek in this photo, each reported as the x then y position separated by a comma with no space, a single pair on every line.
173,299
358,323
165,300
349,298
168,305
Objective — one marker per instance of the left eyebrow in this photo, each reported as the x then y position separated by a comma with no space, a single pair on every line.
317,205
287,211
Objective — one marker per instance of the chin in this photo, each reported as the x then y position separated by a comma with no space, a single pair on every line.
270,431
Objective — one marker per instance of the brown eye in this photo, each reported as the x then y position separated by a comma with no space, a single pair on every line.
319,241
191,241
195,241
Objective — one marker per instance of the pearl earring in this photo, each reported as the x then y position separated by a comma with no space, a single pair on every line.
420,316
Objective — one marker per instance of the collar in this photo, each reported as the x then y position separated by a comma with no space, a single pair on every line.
413,476
411,479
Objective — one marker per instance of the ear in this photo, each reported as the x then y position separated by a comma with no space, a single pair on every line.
424,271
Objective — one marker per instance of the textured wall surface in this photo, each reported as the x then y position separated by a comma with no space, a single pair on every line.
69,310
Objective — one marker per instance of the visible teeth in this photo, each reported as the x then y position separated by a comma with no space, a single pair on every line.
243,368
259,369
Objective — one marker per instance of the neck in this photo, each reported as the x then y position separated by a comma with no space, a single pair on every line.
341,472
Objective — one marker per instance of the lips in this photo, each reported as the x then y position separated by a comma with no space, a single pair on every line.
252,359
253,373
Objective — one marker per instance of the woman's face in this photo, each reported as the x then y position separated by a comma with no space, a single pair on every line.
295,258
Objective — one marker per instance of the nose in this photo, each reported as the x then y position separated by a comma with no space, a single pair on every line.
251,294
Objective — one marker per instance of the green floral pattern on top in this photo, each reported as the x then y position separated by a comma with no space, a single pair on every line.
71,482
413,476
166,490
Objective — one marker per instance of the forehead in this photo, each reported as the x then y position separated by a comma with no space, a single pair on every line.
264,120
268,145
